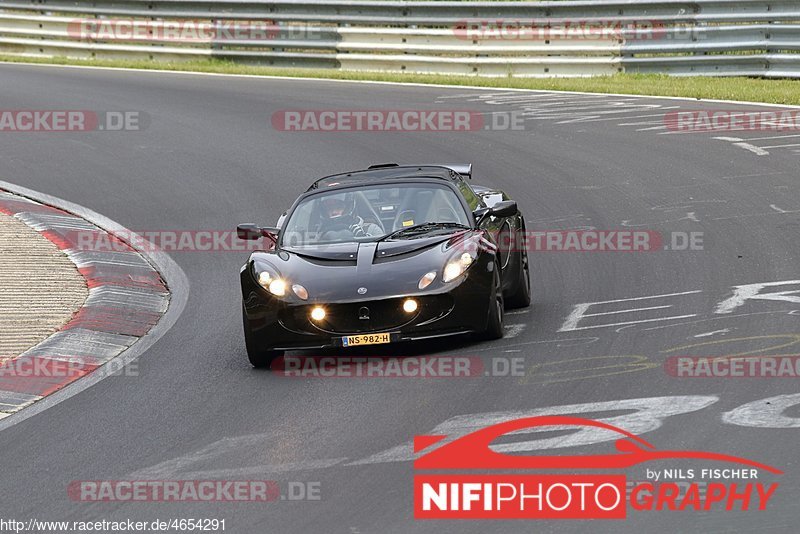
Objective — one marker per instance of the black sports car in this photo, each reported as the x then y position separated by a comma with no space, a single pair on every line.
391,253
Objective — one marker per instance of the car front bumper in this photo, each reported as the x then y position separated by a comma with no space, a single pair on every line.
276,324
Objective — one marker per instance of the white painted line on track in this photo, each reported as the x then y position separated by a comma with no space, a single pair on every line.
630,310
609,325
780,210
579,312
513,330
772,137
652,296
615,118
780,146
756,175
684,132
643,123
713,333
752,148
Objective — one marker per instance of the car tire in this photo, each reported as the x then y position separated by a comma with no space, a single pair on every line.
494,324
259,358
519,295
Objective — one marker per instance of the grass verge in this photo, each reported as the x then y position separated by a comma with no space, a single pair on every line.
745,89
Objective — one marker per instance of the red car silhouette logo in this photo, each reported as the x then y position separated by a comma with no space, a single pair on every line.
472,451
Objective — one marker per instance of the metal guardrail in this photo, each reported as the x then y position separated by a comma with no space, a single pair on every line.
562,38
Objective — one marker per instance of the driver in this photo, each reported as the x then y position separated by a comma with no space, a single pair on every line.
339,214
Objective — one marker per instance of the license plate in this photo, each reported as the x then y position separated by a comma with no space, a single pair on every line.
365,339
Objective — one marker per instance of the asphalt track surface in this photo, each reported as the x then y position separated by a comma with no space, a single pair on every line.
210,159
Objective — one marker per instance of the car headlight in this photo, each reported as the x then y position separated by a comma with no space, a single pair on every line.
458,265
264,278
272,283
277,287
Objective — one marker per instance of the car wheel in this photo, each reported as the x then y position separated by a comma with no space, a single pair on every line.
258,358
520,294
494,326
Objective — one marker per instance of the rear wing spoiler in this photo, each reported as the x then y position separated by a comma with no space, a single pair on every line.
464,169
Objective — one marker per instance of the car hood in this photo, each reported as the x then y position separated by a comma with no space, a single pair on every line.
369,270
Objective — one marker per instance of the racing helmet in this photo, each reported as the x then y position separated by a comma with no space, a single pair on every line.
339,208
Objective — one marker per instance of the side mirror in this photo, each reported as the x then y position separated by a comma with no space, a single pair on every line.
252,232
505,208
248,232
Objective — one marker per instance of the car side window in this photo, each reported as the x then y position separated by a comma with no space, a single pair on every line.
473,200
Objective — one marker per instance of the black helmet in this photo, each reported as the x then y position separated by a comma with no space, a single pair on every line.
338,208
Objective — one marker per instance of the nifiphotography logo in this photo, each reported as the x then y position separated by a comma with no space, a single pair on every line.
501,495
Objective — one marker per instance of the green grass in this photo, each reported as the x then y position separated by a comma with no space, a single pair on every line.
745,89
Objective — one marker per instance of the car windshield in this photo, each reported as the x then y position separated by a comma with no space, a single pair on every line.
369,213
